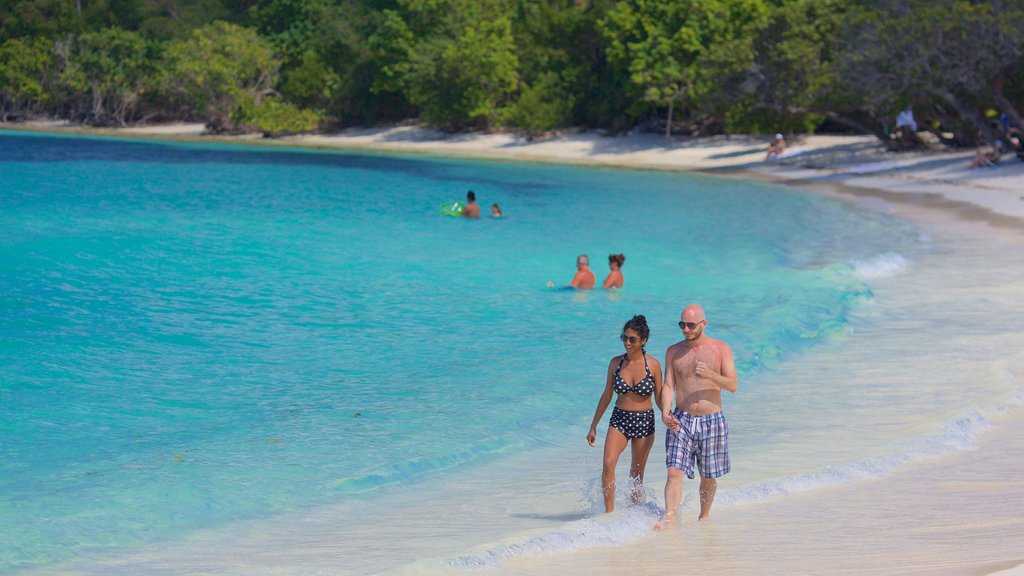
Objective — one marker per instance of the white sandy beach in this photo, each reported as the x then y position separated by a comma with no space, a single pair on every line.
905,518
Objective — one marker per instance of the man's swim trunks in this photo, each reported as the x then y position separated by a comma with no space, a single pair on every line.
633,424
704,439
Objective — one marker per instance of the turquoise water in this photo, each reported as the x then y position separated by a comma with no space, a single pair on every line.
193,334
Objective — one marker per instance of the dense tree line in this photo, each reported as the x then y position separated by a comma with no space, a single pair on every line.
684,66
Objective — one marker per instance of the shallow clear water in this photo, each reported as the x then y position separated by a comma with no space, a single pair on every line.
194,335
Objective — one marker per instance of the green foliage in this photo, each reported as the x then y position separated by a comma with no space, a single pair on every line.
312,83
291,25
274,117
750,116
176,19
541,107
217,67
482,64
106,74
455,60
25,67
684,50
717,65
942,56
37,18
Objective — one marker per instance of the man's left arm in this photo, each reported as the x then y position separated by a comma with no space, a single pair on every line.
727,379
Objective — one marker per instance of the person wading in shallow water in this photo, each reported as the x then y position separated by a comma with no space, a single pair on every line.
634,377
697,369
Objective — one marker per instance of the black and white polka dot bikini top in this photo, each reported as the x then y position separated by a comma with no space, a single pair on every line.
644,387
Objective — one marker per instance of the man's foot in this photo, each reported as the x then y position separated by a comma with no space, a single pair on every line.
704,520
668,521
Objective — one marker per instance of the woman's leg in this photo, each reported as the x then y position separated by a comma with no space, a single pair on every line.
641,448
614,444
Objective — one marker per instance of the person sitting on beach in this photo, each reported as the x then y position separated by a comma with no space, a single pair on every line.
634,377
987,158
584,278
496,211
905,119
614,278
776,148
471,209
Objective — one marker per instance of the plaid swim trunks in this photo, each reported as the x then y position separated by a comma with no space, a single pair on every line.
704,439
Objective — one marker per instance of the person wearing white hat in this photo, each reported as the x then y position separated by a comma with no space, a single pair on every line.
776,148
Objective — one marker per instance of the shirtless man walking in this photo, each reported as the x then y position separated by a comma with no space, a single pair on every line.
697,369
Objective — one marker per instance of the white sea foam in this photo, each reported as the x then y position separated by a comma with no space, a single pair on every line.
622,527
883,266
631,524
960,434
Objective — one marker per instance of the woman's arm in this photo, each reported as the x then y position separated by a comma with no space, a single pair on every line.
656,373
602,403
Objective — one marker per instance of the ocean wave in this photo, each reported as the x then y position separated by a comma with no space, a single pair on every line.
960,434
633,523
616,529
882,266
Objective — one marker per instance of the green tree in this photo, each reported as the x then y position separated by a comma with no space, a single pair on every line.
312,82
454,60
326,62
212,71
792,66
565,79
542,106
106,74
38,18
945,56
683,50
26,68
273,117
176,19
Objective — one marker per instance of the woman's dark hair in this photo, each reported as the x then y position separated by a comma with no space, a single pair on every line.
620,258
639,324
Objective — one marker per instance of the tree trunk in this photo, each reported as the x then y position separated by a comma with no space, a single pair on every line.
97,104
971,115
668,123
1005,106
858,125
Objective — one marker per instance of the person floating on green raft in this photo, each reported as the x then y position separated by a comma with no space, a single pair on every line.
455,208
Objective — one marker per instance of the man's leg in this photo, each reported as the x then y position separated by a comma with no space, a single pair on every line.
708,487
673,495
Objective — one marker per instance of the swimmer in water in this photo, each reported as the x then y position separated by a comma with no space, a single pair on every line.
584,278
471,209
614,278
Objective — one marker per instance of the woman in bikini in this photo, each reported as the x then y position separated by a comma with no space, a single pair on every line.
634,377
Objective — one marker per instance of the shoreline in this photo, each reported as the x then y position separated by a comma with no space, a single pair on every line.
917,187
838,166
